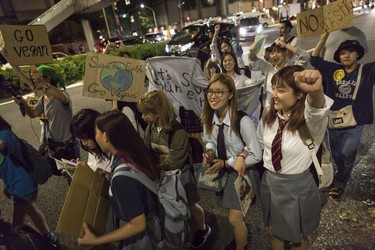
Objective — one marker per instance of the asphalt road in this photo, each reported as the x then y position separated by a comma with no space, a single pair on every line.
344,225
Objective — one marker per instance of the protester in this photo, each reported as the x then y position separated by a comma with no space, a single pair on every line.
172,153
340,81
252,107
279,59
83,128
230,66
56,106
235,158
285,32
289,194
336,37
212,67
225,47
18,184
134,205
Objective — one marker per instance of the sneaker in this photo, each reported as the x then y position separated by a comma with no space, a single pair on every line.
200,237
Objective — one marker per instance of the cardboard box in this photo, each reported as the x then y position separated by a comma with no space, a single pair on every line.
87,201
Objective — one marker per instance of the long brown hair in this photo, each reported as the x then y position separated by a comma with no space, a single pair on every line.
208,112
282,78
156,102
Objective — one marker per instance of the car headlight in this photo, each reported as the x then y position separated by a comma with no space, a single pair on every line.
186,47
259,28
242,32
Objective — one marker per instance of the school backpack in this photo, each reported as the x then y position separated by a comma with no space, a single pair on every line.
172,197
23,237
34,163
323,168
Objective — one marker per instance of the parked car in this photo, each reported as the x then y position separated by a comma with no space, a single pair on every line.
194,37
264,18
156,37
132,40
59,55
249,28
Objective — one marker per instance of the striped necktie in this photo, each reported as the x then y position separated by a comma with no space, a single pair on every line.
276,146
221,150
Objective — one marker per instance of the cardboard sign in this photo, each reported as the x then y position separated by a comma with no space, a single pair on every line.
86,201
26,44
334,16
113,77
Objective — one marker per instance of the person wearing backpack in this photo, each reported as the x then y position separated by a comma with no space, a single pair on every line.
289,194
18,183
224,142
134,205
171,149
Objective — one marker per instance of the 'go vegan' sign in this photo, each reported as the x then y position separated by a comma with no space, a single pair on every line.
113,77
26,44
334,16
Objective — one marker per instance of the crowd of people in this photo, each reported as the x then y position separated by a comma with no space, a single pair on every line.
300,89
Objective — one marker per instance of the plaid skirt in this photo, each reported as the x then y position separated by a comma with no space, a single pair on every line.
290,204
190,121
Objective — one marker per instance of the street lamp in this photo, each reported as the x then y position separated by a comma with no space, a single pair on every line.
153,13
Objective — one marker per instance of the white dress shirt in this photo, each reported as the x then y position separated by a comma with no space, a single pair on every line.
296,155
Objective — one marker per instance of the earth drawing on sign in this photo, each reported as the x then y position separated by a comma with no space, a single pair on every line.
116,78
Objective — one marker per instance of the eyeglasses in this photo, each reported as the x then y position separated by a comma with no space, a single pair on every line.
218,93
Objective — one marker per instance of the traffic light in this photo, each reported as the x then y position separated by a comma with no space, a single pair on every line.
125,15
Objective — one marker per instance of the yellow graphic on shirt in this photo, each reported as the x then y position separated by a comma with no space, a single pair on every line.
338,75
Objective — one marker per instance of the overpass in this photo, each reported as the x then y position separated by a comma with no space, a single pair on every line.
65,8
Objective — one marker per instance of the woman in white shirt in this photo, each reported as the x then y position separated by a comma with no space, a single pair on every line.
241,151
248,103
229,66
289,195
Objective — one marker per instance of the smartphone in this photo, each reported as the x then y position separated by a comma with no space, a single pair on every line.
74,164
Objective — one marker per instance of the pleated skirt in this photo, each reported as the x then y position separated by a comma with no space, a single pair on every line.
290,204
